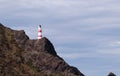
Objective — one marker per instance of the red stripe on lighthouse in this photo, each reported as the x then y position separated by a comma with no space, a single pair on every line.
39,30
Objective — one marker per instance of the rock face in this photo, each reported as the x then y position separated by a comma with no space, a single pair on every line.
21,56
111,74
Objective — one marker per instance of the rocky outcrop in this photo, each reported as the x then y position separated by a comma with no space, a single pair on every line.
21,56
111,74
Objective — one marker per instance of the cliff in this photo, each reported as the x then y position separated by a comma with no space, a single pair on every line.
22,56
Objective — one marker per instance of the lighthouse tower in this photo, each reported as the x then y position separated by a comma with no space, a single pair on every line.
39,32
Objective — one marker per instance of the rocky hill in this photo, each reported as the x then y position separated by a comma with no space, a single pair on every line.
20,56
111,74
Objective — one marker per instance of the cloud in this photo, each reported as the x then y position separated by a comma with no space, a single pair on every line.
110,51
114,44
111,48
78,55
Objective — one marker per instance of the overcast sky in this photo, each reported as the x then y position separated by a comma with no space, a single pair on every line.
86,33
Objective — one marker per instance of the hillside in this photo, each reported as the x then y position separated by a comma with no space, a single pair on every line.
22,56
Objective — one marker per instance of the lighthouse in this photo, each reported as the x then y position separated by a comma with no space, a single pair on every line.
39,32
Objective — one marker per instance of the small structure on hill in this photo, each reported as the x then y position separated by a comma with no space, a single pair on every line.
39,32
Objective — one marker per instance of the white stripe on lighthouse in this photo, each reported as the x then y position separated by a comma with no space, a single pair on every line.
39,32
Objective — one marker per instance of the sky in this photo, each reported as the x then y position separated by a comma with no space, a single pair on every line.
85,33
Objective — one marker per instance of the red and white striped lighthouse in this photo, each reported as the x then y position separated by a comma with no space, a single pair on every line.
39,32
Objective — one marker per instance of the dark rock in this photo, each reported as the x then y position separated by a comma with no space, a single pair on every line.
111,74
21,56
